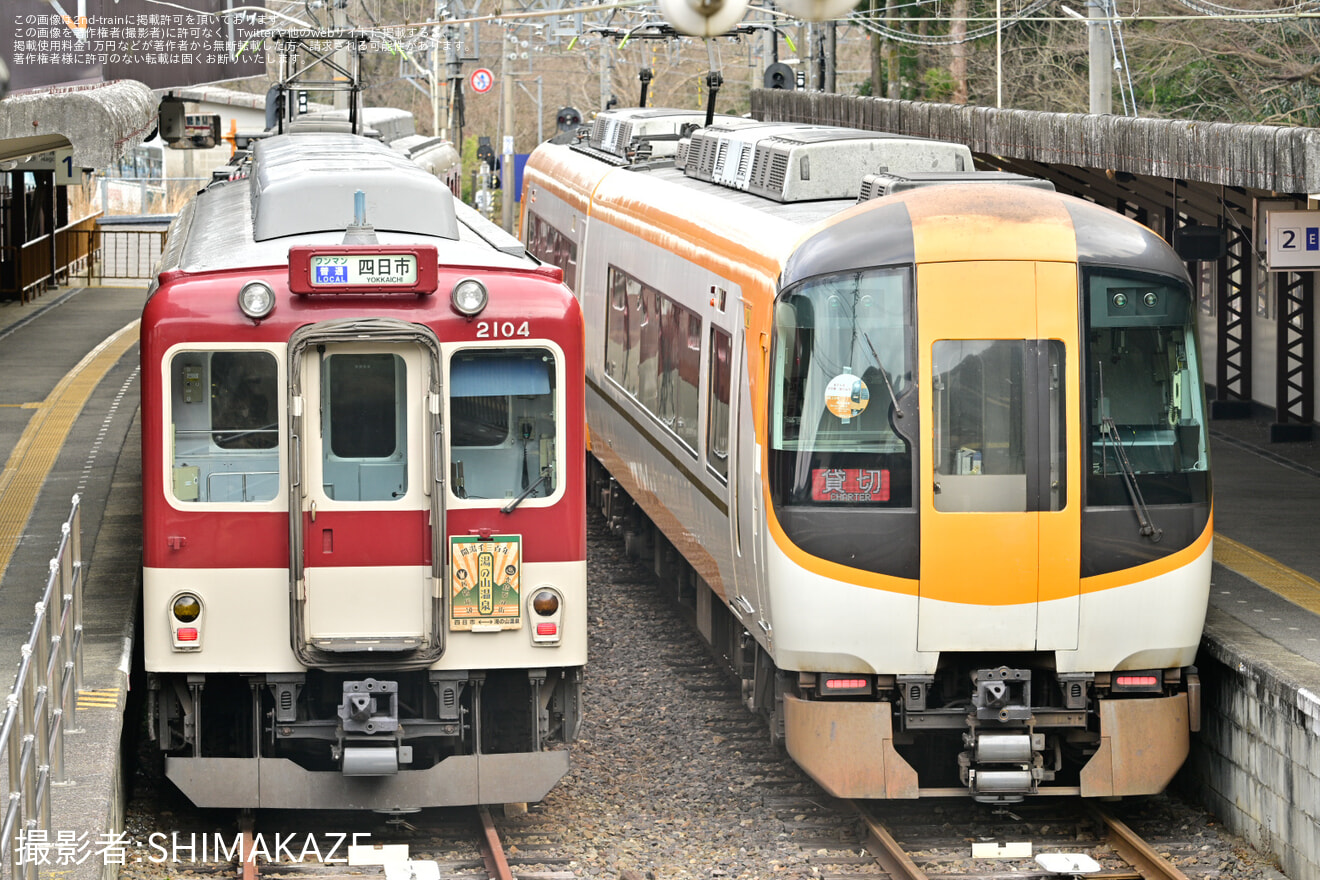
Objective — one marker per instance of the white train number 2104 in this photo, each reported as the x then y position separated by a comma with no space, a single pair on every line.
502,329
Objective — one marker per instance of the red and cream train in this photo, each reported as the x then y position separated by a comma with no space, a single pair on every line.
364,536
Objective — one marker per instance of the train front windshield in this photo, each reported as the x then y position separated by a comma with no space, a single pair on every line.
843,360
1145,402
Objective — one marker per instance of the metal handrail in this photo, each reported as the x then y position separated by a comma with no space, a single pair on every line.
36,718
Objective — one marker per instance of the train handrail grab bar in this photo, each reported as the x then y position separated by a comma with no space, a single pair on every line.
42,704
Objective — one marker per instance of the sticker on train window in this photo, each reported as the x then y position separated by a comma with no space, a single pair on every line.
846,396
849,484
485,583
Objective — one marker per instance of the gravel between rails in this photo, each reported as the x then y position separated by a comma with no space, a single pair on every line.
673,778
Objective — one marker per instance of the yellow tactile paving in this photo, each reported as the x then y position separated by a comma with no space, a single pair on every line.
1268,572
35,453
99,698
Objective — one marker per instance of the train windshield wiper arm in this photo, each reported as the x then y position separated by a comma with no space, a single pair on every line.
1109,431
884,374
509,508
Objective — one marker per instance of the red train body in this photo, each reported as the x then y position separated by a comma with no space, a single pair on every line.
364,538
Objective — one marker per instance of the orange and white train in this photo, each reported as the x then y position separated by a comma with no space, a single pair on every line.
922,447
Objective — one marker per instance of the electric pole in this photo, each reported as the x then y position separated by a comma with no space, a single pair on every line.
506,125
1102,71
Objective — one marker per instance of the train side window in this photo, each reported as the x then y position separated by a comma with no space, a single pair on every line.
653,352
717,419
503,423
224,411
547,243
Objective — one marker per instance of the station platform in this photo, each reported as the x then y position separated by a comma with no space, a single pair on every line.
69,419
68,425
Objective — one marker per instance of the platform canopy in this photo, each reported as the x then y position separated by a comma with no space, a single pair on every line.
100,122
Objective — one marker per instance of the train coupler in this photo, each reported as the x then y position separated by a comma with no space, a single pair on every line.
1003,767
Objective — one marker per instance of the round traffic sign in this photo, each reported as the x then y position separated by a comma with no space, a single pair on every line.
481,80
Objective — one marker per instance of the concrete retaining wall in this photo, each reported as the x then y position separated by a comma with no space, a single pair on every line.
1255,761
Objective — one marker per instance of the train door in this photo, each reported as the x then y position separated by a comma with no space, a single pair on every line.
744,488
999,514
366,425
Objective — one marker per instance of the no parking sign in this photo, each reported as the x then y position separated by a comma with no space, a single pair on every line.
481,80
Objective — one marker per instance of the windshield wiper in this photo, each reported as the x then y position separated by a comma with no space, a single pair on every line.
884,374
512,505
1109,431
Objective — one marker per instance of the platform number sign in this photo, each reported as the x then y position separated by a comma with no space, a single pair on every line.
66,173
1293,239
481,80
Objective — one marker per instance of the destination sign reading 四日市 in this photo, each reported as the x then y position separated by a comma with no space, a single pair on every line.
357,270
364,269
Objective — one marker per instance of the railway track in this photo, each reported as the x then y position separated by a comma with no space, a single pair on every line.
1084,839
673,779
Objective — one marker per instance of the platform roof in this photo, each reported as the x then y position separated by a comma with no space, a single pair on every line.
100,122
1217,165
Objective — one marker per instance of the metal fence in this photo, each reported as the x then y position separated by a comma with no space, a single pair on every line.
42,703
119,254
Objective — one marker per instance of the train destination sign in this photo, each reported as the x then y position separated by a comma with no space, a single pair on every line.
363,269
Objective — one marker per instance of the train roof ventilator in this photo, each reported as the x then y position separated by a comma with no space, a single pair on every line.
799,163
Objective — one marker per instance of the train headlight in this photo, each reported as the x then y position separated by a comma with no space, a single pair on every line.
546,618
185,619
469,297
256,300
186,608
1151,300
545,603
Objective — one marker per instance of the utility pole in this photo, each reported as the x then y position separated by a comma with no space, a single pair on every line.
506,126
831,45
1102,70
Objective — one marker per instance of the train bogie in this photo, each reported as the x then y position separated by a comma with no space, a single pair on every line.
945,505
364,558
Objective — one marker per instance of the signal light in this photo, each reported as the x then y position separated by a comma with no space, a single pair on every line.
186,633
1136,680
547,629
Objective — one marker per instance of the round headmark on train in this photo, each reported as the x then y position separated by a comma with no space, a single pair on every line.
846,396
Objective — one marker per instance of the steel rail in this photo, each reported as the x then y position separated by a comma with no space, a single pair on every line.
1138,853
492,851
887,851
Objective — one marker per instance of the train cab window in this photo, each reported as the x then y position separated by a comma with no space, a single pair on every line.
998,425
224,410
842,363
503,423
363,425
1145,410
